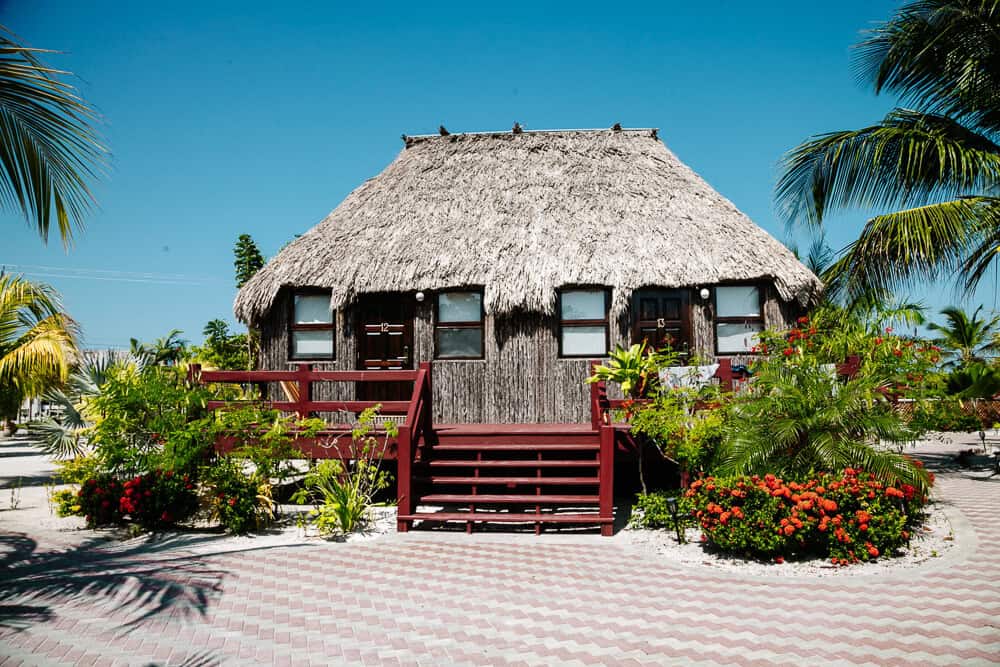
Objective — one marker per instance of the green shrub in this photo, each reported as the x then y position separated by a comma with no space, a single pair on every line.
652,511
66,503
343,491
240,501
943,415
848,517
78,469
158,499
684,435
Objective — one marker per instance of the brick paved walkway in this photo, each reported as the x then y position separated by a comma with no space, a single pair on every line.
434,599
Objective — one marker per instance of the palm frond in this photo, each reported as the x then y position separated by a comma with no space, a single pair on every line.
60,440
898,250
49,148
940,55
908,159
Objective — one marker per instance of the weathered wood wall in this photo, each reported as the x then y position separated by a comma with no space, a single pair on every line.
521,379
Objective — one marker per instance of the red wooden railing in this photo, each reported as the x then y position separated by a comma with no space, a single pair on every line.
418,410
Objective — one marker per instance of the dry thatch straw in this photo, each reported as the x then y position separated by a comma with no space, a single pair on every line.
524,214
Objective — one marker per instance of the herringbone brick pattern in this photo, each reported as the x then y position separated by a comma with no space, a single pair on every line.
433,599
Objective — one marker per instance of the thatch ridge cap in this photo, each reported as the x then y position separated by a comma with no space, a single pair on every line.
590,130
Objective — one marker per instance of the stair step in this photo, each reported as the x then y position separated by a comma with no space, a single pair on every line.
514,447
523,463
497,517
566,481
494,498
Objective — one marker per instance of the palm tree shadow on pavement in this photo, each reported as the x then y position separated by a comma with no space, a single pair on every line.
138,580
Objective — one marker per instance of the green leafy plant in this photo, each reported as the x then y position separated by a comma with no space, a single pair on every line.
51,147
37,339
797,419
933,164
239,499
652,510
974,380
635,368
344,490
66,503
943,415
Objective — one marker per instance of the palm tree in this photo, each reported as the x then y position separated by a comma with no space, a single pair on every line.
67,436
164,351
967,337
937,163
797,421
49,149
37,342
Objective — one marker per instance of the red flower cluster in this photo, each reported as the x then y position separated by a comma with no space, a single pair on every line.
154,499
848,517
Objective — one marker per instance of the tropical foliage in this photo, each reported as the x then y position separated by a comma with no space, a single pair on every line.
966,338
223,349
37,342
343,492
49,148
937,161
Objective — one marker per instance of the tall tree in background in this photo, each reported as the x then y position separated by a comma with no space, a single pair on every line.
248,259
939,161
49,149
967,338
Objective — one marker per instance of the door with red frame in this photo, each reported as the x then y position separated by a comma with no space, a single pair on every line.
385,342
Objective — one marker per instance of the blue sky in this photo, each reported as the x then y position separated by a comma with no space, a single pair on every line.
259,117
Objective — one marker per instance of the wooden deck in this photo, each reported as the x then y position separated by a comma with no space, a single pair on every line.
468,473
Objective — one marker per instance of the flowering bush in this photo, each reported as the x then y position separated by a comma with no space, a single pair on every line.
98,499
157,498
239,500
847,517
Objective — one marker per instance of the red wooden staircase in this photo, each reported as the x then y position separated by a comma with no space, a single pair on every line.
530,474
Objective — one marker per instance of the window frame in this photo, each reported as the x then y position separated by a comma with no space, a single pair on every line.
606,322
469,324
293,326
759,319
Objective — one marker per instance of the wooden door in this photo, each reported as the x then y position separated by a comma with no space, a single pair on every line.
385,342
662,317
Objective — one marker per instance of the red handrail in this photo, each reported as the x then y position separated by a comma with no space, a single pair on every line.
305,376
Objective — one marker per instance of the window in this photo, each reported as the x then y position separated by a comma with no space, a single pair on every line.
459,330
583,323
311,334
738,318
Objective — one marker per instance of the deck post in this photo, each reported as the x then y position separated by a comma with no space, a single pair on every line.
606,472
404,481
305,389
428,424
596,389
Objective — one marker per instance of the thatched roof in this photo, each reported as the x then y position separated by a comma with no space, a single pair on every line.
523,214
